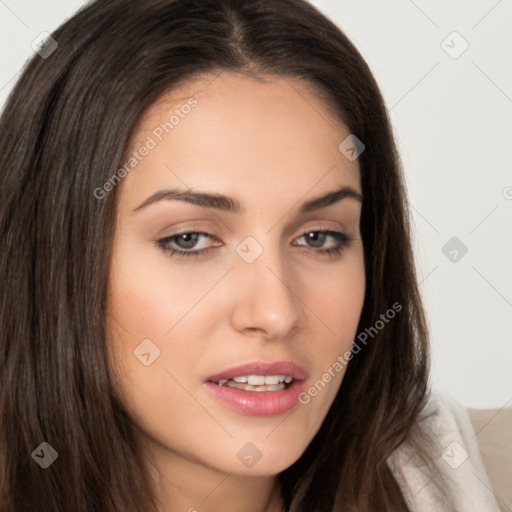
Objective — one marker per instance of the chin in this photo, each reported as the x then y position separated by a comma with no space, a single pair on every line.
260,458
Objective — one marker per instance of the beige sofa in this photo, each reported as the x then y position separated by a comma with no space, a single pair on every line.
493,428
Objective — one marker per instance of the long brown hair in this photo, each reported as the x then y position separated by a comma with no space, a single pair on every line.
64,131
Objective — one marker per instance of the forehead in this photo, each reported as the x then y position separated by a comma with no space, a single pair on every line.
229,99
237,132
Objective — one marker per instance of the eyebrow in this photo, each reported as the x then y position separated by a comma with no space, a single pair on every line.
228,204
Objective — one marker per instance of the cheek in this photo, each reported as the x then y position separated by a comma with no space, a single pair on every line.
150,344
337,298
338,302
150,295
147,308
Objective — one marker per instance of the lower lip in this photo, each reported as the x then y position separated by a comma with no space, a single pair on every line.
258,403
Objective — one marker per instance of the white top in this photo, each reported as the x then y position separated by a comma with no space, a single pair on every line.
458,461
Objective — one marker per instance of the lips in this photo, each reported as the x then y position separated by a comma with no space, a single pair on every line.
286,368
258,400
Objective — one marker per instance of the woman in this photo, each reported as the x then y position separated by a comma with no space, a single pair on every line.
209,299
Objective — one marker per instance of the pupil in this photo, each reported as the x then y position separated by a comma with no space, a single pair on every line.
317,238
189,239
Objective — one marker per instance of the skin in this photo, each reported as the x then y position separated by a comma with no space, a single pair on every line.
270,145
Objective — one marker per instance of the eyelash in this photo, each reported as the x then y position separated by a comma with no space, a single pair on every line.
343,241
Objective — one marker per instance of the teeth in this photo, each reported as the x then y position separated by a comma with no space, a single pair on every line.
247,387
271,379
262,380
257,382
272,387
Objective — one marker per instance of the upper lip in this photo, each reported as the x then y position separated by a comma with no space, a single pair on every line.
286,368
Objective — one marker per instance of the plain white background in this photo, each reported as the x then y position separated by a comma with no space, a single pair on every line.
451,109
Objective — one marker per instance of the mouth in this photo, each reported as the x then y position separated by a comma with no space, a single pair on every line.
260,388
257,382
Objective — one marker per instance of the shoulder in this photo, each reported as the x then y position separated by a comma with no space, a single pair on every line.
493,430
456,479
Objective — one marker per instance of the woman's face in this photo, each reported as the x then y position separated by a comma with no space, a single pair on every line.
255,287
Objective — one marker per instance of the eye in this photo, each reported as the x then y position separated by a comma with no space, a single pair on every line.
317,239
186,244
181,244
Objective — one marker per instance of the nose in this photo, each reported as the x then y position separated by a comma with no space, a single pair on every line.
267,303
